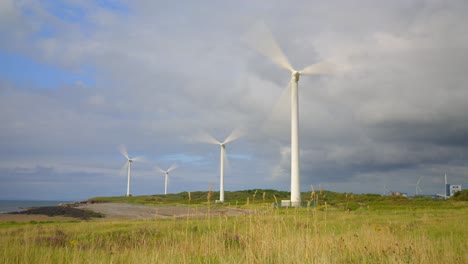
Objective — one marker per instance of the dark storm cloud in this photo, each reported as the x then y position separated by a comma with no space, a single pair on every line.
163,73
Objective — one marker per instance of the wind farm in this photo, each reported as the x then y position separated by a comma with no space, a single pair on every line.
355,112
272,132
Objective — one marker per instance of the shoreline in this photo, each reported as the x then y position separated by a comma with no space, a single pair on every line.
14,206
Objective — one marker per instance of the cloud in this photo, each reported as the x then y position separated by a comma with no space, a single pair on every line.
162,73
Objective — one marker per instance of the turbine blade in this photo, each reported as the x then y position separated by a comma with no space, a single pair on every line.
420,178
235,134
280,114
159,169
261,39
206,138
323,67
123,150
138,159
123,170
172,167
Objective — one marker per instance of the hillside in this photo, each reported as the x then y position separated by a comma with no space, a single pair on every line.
322,199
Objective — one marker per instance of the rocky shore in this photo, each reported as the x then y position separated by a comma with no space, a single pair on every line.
61,210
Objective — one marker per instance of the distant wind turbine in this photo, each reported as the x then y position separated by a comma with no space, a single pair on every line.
446,194
166,174
209,139
262,40
386,190
128,165
418,188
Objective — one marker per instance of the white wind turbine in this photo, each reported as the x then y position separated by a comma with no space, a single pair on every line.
128,165
446,194
418,188
166,174
209,139
263,41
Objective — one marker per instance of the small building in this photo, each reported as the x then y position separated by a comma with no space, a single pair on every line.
454,188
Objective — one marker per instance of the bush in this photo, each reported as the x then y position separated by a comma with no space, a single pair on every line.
460,196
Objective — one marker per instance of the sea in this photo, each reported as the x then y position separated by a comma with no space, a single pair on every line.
8,206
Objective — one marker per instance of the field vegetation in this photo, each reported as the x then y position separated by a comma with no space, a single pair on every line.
331,228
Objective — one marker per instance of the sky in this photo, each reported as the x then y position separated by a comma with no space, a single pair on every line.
78,78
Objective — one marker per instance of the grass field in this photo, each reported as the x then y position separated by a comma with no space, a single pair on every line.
391,230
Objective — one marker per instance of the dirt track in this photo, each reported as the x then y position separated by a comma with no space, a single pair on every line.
116,211
123,211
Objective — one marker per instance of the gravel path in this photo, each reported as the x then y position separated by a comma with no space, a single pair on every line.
123,211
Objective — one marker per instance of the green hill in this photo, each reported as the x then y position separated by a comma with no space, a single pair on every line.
322,199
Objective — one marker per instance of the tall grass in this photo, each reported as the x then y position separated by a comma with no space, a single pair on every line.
285,235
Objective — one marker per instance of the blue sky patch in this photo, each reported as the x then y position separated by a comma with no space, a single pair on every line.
24,71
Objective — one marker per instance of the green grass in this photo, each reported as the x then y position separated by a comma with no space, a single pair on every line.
236,197
342,201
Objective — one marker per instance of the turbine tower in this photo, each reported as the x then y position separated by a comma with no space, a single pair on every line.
447,188
128,165
166,174
446,194
264,42
209,139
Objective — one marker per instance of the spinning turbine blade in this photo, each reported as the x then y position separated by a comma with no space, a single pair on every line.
206,138
261,39
138,159
173,167
124,152
419,181
280,113
123,170
233,136
159,169
319,68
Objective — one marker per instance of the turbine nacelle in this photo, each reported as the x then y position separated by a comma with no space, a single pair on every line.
296,75
165,172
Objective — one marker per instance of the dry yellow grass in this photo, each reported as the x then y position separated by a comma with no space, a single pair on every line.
304,235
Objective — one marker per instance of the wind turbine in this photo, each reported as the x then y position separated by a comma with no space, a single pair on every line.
166,174
446,194
418,188
386,190
209,139
128,165
264,42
